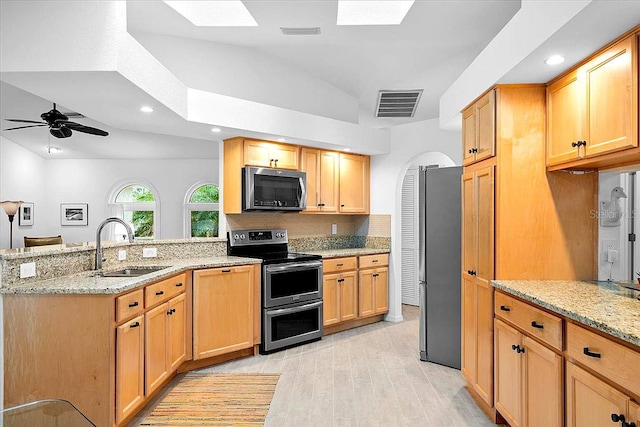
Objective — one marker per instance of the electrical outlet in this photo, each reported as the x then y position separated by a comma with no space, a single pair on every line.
149,252
28,269
612,256
334,228
122,254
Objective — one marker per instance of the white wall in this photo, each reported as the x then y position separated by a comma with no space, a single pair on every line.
22,177
47,183
408,143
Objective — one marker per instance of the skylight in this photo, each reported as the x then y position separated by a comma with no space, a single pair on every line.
377,12
225,13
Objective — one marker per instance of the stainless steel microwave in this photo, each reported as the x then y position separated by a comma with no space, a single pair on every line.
273,189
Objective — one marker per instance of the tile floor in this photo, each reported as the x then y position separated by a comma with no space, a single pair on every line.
368,376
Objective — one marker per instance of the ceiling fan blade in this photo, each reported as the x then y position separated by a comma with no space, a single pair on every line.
23,127
82,128
60,132
22,121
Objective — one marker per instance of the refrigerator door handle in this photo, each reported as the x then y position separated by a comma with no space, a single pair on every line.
422,294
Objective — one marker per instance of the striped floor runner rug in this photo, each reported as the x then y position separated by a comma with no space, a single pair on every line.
202,399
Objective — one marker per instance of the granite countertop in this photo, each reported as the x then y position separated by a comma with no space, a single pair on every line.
334,253
87,283
604,306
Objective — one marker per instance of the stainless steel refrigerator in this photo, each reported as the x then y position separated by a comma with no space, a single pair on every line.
439,288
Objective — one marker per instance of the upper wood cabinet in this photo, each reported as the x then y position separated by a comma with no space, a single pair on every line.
270,154
322,168
593,111
478,129
354,183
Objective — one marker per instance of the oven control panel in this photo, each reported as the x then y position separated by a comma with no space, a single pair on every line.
257,237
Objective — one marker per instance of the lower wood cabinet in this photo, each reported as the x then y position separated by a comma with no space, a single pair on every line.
594,403
373,291
528,380
129,367
223,310
340,297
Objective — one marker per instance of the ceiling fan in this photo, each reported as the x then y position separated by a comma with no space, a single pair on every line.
59,124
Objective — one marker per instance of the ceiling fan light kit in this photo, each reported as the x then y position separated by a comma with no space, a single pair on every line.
59,124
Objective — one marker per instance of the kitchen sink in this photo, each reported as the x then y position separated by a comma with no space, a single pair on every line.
132,272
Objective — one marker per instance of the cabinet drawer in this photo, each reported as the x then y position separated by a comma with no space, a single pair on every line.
163,290
339,264
129,305
533,321
376,260
618,363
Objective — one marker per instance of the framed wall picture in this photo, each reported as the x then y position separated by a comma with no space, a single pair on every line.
74,214
25,214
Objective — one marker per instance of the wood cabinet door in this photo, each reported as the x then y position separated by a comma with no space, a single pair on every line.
348,291
331,299
256,153
508,368
381,289
634,413
129,367
469,247
366,293
156,344
486,129
565,124
484,322
612,99
284,156
469,135
354,183
329,177
485,214
590,402
469,329
177,331
543,386
310,163
222,310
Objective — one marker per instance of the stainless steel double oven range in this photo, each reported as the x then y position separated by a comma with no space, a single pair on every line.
291,287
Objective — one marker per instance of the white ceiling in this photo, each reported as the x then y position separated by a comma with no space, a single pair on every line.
429,50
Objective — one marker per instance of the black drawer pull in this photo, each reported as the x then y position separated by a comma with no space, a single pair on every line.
178,285
340,280
617,418
375,275
133,304
226,271
160,293
504,308
374,260
135,325
320,204
590,353
537,325
339,265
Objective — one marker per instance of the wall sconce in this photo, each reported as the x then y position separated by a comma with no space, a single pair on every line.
11,208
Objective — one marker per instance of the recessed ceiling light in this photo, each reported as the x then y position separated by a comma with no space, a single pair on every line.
281,139
376,12
216,130
347,149
554,60
146,109
225,13
51,149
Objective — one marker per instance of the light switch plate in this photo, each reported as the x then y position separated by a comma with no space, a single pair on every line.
334,228
122,255
149,252
27,269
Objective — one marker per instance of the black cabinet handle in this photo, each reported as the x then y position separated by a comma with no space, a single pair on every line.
135,325
504,308
590,353
473,150
178,285
374,260
226,271
340,280
629,424
537,325
470,151
517,348
574,144
472,272
339,265
320,204
582,143
168,312
617,418
342,206
375,275
160,293
133,304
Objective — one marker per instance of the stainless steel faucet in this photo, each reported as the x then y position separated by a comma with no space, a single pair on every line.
99,254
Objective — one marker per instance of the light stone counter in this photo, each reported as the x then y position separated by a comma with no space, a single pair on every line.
604,306
86,283
335,253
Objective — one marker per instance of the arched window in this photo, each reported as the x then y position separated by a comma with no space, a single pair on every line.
202,211
137,206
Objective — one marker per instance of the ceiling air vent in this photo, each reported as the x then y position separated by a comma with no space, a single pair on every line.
397,103
293,31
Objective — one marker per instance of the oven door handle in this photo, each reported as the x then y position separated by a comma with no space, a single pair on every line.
294,309
293,267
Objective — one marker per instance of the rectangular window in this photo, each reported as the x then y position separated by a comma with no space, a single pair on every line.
204,223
